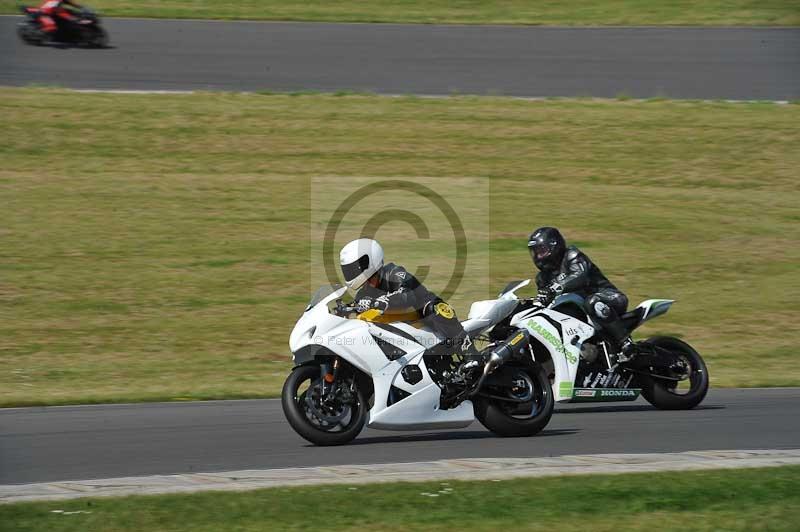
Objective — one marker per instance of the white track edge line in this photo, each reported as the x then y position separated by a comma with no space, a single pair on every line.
485,469
432,96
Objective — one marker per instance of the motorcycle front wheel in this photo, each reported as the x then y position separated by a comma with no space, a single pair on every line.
685,394
320,421
523,409
96,37
30,34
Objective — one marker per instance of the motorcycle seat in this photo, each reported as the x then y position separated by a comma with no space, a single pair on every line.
631,319
473,326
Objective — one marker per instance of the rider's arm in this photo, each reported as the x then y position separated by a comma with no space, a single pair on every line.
404,290
71,7
401,294
67,10
576,275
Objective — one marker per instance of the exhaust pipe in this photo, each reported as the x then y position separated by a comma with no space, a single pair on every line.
514,344
502,353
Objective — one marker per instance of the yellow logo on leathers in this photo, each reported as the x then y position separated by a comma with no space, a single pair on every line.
444,310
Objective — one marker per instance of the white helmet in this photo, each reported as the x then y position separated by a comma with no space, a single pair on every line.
360,259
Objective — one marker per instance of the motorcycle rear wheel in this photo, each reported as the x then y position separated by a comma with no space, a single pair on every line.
668,395
508,419
302,418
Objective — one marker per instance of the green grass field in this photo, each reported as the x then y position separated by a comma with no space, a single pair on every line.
549,12
732,500
157,246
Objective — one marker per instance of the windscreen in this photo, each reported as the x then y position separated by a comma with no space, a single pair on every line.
510,286
321,293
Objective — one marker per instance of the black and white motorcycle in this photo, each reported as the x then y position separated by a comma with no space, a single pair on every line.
391,372
583,367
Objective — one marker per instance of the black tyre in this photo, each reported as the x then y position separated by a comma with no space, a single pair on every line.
515,419
682,395
320,423
96,37
30,34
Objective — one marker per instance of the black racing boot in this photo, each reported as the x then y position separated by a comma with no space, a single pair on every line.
627,349
473,359
624,344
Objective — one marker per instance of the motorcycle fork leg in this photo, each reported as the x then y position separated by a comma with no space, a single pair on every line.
329,377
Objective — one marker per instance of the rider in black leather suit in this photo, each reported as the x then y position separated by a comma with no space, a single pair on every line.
565,269
393,289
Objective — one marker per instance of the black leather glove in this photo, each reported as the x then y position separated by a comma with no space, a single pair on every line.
363,304
545,296
382,304
367,303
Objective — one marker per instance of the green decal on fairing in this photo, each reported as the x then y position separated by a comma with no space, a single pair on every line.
564,388
550,337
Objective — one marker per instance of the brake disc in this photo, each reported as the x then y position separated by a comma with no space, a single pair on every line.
330,415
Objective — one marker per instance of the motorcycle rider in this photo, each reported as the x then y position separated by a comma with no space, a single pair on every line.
566,269
390,288
53,12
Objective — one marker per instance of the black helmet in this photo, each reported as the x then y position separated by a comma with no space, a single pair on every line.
547,247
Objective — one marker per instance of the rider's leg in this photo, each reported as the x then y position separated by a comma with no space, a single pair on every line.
605,307
441,317
65,18
48,24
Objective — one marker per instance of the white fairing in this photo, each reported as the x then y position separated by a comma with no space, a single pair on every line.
420,410
484,314
563,336
544,325
319,330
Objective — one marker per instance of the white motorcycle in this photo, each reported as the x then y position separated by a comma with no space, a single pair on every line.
583,367
354,369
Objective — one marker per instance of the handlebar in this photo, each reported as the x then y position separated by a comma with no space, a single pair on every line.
343,310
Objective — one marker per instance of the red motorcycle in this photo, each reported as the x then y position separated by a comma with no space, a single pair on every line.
85,31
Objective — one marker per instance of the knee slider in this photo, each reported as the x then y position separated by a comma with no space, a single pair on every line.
599,308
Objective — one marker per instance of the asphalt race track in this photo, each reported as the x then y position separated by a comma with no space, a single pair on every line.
84,442
708,63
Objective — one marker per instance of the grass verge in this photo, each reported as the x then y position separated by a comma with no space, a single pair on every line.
157,246
551,12
746,499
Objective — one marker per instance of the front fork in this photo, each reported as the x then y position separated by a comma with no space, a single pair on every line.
332,377
328,380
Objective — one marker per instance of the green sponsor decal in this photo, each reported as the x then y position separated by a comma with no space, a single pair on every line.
564,388
556,342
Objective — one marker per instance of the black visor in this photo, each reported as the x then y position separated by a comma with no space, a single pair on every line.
540,251
354,269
